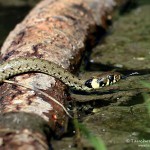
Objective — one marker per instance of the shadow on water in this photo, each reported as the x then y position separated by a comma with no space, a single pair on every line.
102,67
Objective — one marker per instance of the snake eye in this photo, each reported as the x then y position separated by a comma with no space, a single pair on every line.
110,78
88,83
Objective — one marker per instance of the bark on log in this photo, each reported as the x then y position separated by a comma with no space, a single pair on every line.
55,30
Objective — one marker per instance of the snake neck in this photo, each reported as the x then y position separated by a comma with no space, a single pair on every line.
23,65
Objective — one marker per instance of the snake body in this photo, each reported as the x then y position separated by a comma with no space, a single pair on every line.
25,65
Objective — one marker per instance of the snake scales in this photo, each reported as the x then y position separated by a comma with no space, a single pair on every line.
25,65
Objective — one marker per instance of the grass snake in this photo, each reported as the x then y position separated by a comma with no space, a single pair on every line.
25,65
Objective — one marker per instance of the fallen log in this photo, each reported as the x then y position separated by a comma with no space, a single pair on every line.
56,31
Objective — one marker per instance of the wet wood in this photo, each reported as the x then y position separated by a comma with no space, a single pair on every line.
56,31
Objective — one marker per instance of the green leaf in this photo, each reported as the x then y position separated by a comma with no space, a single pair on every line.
147,101
97,143
145,84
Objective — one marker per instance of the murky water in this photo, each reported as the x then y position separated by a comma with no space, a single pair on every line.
120,114
122,122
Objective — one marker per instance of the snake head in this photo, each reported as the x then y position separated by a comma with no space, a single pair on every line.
103,80
113,78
